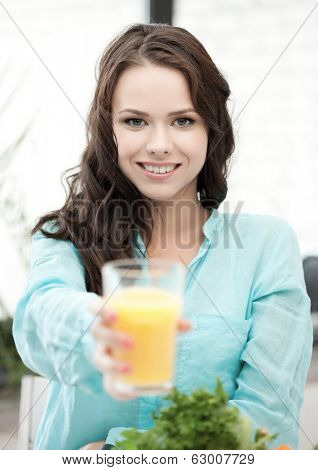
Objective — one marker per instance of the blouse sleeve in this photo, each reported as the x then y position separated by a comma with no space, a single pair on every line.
276,359
52,318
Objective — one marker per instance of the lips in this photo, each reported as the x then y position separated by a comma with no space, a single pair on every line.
159,165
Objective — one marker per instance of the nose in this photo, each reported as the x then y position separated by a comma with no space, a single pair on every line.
159,142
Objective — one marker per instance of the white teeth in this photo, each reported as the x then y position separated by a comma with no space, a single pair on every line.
162,169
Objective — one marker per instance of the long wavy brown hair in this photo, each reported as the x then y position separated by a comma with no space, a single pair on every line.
103,209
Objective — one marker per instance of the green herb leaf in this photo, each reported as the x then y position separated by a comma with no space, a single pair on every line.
201,420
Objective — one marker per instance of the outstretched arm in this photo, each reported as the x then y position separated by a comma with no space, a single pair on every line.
52,319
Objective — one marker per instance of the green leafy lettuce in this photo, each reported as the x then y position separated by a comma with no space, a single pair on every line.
201,420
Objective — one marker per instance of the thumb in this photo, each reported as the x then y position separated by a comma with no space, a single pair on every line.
184,325
96,304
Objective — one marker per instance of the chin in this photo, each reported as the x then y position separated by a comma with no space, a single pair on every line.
158,197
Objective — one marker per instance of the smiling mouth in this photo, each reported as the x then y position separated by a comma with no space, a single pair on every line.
159,173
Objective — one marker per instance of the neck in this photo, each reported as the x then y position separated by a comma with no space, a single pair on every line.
176,223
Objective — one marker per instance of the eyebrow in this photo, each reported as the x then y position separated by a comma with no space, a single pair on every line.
142,113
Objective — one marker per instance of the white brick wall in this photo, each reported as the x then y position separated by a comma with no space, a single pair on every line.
275,165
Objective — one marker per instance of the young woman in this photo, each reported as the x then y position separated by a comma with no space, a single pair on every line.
161,105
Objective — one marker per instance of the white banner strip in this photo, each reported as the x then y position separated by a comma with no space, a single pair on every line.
65,459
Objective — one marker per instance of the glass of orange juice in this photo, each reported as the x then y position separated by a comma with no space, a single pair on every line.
147,296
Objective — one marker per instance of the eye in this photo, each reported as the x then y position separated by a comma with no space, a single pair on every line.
191,121
131,120
127,121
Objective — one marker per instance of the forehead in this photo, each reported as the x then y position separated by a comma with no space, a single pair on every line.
151,87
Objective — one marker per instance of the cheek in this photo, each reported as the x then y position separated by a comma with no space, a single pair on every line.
195,145
128,144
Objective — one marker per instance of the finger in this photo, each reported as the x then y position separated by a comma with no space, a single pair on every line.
184,325
100,308
107,364
96,305
102,318
111,337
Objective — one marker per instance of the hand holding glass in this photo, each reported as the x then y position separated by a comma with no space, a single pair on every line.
147,297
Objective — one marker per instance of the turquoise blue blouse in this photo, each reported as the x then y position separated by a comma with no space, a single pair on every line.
246,299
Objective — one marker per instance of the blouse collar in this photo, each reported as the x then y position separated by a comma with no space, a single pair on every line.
210,226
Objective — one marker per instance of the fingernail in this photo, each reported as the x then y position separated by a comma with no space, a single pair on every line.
125,368
127,343
111,316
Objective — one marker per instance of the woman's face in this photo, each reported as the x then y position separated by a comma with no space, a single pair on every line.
156,135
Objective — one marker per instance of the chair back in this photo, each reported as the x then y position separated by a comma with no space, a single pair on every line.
310,265
32,402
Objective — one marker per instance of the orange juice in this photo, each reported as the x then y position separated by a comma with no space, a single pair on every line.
149,316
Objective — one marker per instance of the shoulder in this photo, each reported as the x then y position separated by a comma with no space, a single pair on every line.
257,226
249,220
43,246
251,234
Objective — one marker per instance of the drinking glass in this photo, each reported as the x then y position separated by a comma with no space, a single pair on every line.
147,296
